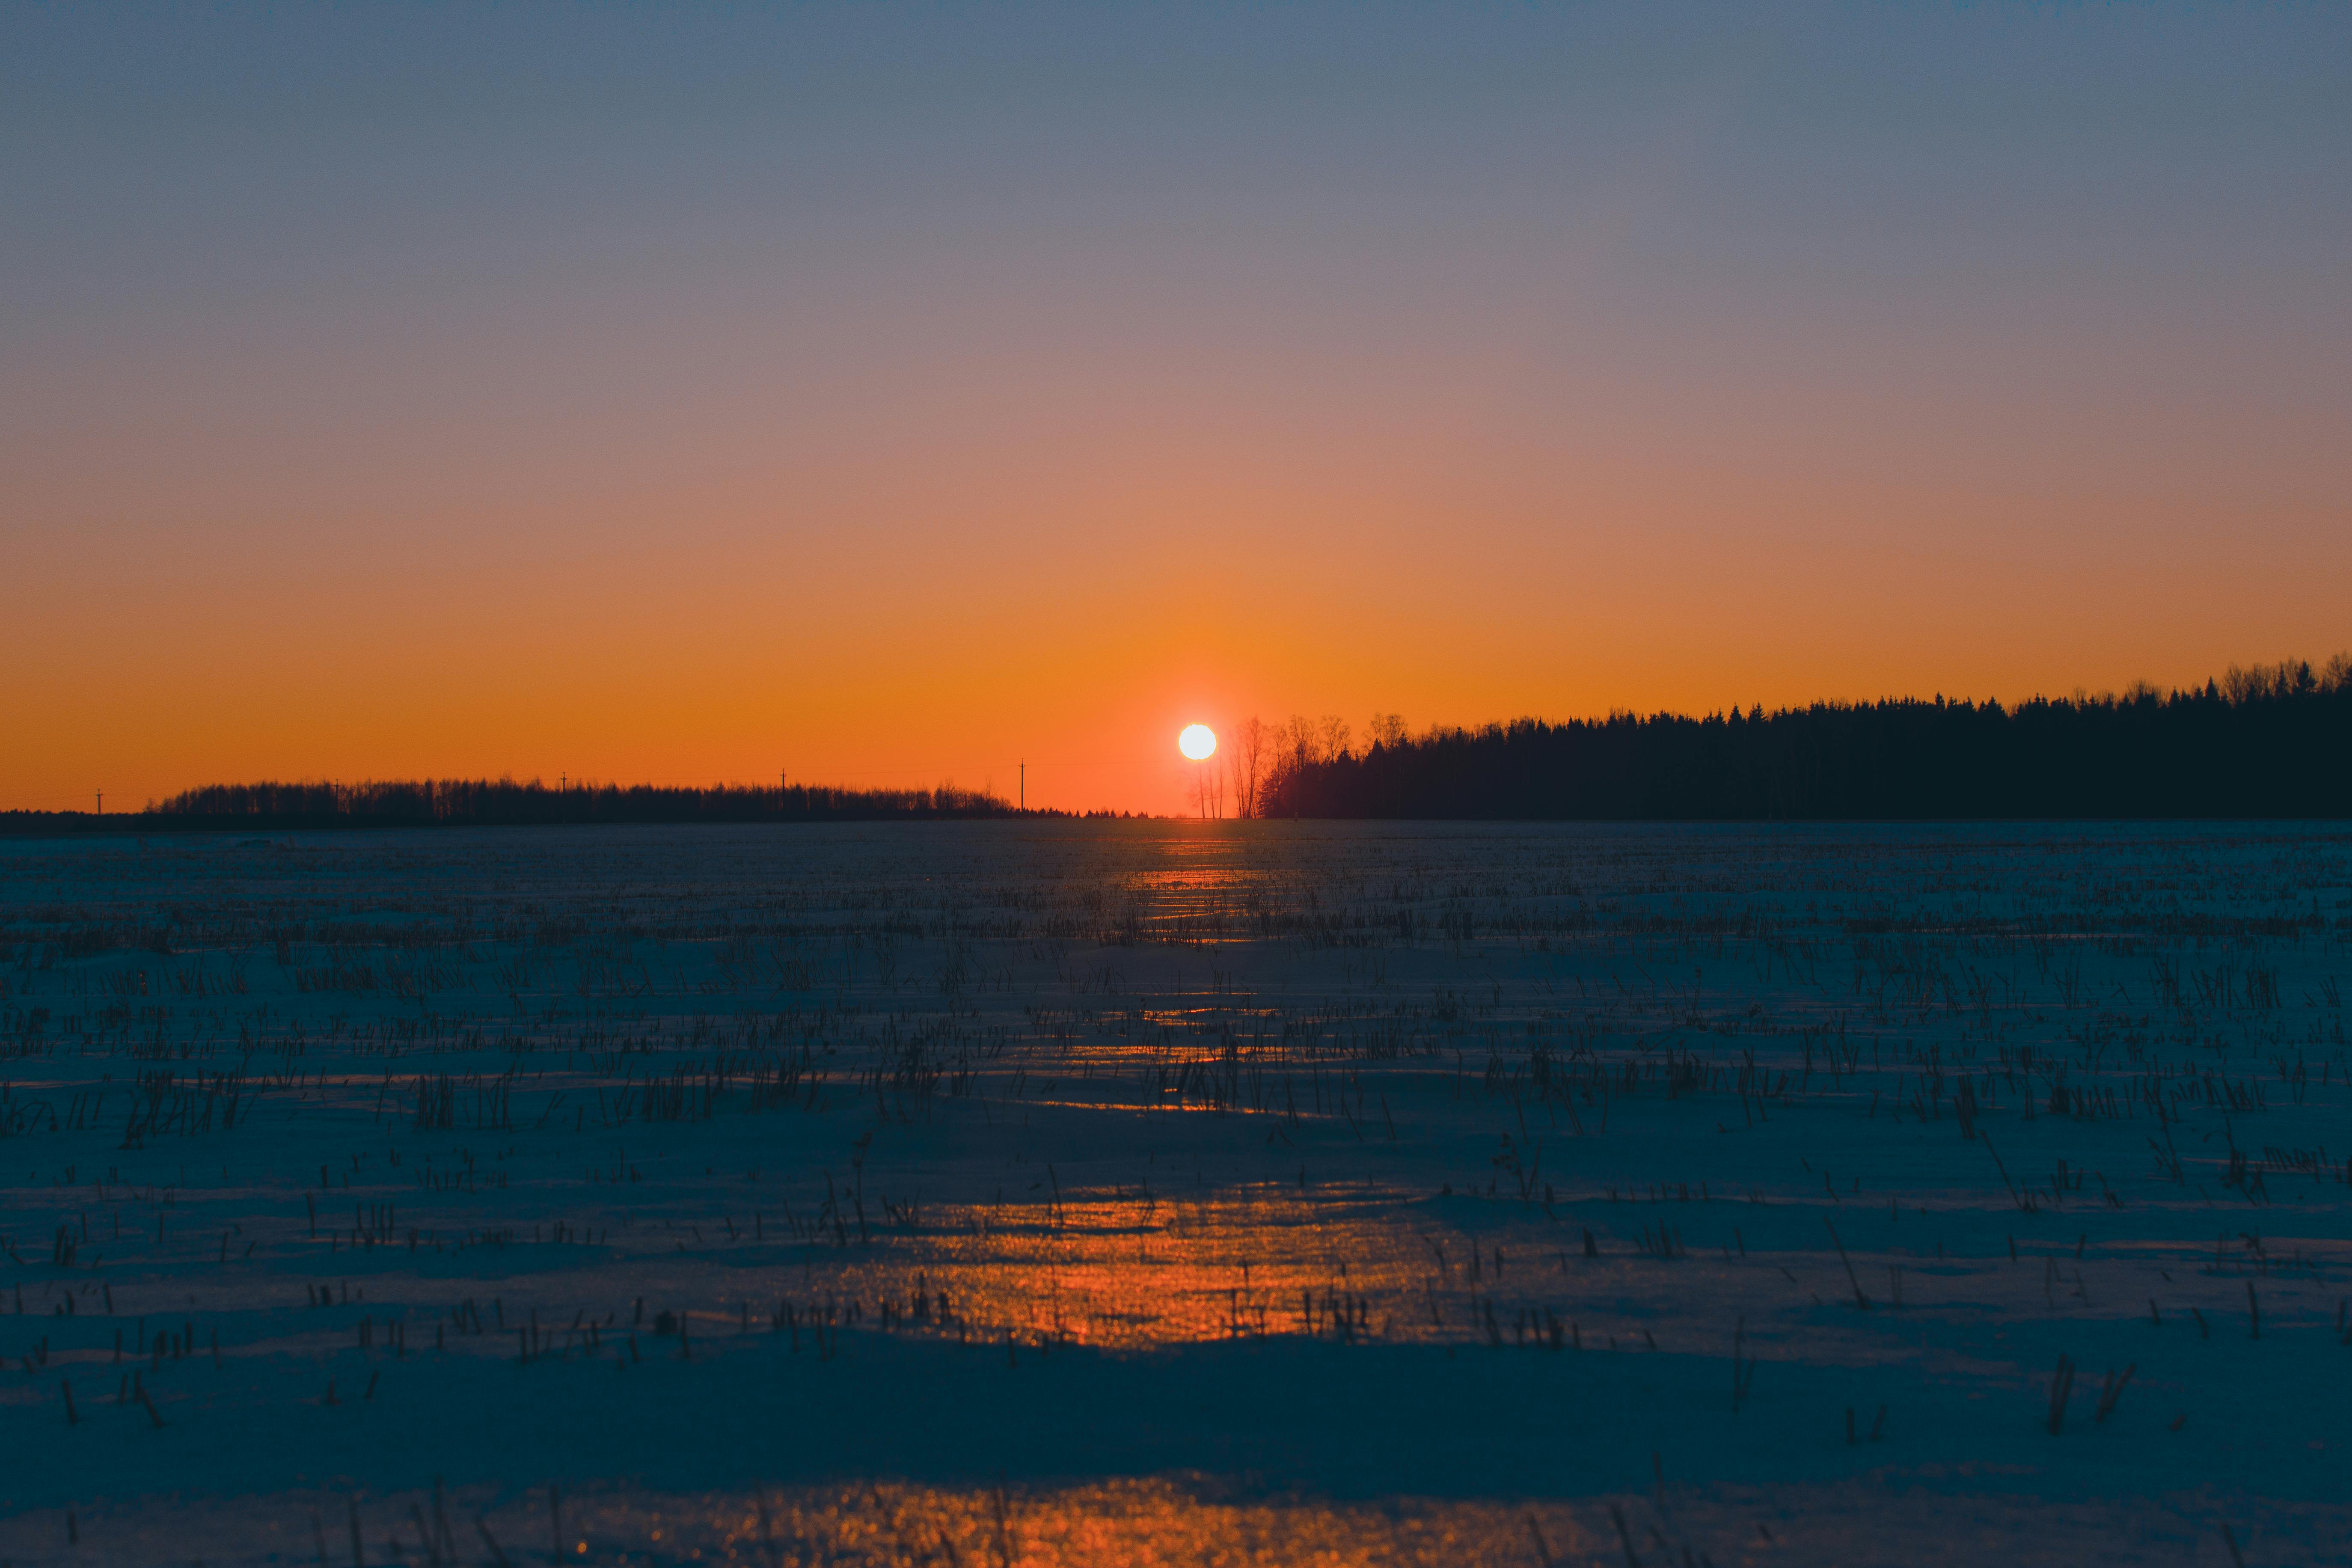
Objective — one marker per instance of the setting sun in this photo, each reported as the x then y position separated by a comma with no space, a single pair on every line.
1197,742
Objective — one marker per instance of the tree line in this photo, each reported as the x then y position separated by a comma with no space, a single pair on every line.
2274,741
484,803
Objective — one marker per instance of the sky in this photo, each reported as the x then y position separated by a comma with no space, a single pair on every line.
892,394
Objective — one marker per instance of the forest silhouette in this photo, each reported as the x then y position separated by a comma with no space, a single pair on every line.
506,802
2273,741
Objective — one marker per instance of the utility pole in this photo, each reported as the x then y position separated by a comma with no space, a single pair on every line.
101,802
1025,785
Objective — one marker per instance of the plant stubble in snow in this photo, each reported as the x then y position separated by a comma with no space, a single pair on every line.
1177,1192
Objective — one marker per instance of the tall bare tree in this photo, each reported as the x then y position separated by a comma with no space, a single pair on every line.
1245,762
1209,790
1301,746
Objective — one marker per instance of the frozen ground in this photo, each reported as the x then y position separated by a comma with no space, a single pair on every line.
1138,1193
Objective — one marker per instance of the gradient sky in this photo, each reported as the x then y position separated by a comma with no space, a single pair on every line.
887,393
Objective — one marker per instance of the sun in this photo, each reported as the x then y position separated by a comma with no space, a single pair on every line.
1197,742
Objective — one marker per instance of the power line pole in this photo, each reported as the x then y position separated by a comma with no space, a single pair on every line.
101,802
1025,785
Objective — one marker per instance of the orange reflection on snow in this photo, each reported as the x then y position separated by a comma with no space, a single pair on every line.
1147,1523
1140,1270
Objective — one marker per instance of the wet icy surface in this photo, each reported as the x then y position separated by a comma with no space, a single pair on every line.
1178,1192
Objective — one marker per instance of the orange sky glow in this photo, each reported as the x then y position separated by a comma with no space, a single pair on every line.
906,454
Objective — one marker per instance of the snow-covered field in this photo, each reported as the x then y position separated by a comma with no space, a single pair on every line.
1134,1191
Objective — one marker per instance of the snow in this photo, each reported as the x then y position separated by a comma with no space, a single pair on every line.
1178,1192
